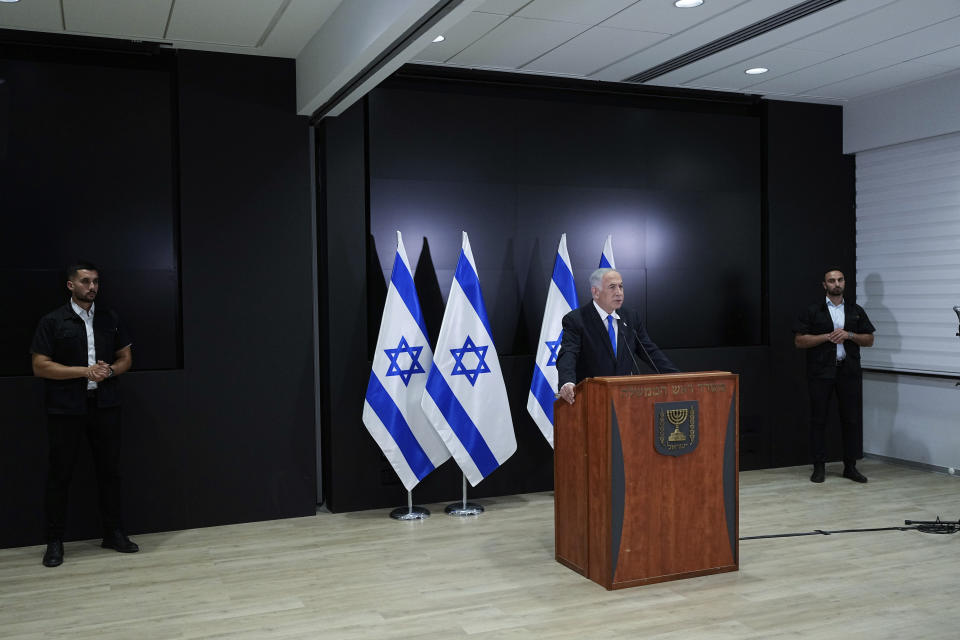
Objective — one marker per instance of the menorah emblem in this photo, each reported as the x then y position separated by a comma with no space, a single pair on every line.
675,442
677,417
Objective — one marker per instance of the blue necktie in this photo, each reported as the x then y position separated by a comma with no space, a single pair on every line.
613,335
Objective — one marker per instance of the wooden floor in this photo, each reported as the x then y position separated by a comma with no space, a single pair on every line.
363,575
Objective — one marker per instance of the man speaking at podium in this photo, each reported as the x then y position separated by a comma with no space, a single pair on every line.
599,341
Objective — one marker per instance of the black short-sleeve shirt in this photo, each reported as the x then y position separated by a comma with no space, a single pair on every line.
816,320
62,336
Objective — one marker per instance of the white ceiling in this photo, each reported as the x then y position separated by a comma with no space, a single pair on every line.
840,53
261,27
847,51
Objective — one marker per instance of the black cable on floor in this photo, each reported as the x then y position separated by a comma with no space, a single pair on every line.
820,532
924,526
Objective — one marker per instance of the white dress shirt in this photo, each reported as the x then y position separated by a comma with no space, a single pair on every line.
87,317
603,317
837,314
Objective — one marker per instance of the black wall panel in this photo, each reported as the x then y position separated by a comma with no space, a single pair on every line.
69,192
230,436
341,204
680,192
812,227
247,289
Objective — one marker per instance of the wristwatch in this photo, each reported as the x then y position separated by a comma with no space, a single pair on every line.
111,371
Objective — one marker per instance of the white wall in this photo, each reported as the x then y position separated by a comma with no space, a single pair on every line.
908,417
920,110
912,418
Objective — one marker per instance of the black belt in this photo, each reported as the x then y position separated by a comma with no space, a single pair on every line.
91,393
840,363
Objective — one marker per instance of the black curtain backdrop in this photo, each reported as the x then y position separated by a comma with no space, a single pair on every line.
689,185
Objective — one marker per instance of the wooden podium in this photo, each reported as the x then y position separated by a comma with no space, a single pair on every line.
645,478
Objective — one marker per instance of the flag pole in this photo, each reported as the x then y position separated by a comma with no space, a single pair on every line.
411,512
464,508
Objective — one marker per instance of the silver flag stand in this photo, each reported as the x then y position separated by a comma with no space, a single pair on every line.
411,512
464,508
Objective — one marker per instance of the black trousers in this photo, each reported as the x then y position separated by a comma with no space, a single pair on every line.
102,430
848,388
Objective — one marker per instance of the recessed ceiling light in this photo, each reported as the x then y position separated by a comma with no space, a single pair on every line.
687,4
439,39
756,70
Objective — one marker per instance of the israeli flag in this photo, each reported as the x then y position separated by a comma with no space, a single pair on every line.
391,409
465,398
561,300
606,257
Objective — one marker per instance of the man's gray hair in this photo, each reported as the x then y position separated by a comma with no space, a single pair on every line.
596,278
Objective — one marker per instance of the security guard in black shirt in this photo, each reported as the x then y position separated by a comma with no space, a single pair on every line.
832,331
79,350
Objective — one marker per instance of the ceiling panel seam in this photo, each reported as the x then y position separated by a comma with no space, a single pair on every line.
481,37
739,36
866,73
568,40
786,45
166,27
273,22
593,26
651,45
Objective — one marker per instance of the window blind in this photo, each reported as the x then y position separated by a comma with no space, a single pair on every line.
908,253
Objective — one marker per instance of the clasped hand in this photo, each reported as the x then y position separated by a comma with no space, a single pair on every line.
837,336
98,372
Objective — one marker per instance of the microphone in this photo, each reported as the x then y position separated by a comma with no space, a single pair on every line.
640,342
956,310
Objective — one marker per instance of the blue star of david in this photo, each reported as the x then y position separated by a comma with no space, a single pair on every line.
415,366
471,374
554,346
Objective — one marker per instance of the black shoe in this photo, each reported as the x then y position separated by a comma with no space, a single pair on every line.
53,556
853,474
819,473
118,540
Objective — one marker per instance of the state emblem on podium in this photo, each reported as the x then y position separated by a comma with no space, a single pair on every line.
675,427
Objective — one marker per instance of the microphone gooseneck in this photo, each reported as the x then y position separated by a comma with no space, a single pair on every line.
640,342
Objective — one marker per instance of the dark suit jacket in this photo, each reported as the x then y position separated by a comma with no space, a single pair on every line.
586,352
